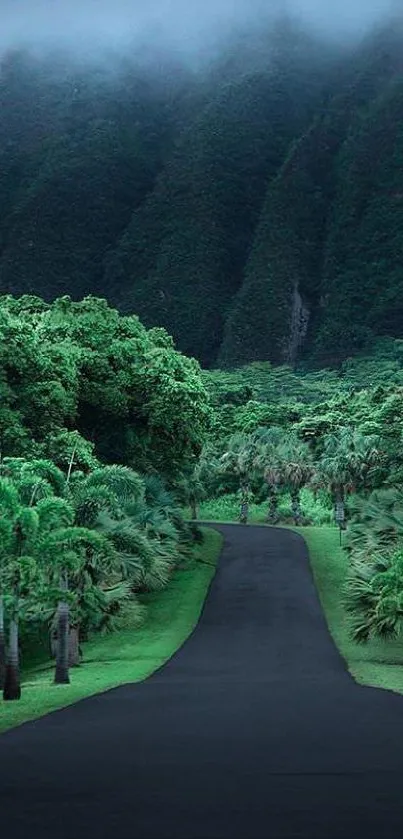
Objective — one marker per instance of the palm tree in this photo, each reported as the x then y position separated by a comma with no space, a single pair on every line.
191,490
10,547
72,557
296,469
235,459
140,518
12,686
373,597
37,478
376,523
19,573
2,643
62,648
346,464
100,539
39,548
104,491
106,488
245,496
266,459
240,460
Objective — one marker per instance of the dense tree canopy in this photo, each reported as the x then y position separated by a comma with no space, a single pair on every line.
79,375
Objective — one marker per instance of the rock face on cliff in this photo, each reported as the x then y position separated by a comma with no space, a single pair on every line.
330,227
255,209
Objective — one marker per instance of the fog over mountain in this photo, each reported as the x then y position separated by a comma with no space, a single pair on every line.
86,25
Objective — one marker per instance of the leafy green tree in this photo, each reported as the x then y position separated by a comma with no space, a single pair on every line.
82,379
213,479
70,450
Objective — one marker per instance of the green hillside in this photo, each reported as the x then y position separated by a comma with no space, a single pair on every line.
252,208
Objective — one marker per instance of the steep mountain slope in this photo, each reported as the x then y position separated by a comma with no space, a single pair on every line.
87,156
182,257
328,237
254,209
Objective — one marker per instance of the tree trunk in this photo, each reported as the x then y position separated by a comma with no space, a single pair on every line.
12,685
193,508
2,644
272,515
74,647
53,641
296,507
243,516
62,654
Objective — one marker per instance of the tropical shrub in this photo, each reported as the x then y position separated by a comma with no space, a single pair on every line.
373,597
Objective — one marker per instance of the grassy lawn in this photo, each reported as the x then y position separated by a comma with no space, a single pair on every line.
129,655
377,663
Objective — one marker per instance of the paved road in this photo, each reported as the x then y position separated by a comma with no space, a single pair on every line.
253,730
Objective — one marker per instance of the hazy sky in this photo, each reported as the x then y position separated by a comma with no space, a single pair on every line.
187,23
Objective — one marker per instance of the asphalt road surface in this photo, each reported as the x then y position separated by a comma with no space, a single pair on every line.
253,730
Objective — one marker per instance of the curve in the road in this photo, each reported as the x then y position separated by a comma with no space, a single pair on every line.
253,730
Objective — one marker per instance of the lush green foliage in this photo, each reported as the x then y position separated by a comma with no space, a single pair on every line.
225,508
82,385
250,209
374,597
71,367
131,653
275,433
82,545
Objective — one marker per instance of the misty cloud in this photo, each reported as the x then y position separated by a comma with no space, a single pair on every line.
184,24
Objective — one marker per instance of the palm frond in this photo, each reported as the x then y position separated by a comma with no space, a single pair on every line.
9,498
124,482
373,597
54,513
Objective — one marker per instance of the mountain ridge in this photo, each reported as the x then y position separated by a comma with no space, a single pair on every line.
253,211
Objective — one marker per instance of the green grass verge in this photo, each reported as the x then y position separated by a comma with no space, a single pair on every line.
130,655
377,663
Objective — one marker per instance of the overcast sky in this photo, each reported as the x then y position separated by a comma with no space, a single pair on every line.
187,23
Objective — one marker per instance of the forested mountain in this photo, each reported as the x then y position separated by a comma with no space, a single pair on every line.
253,207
